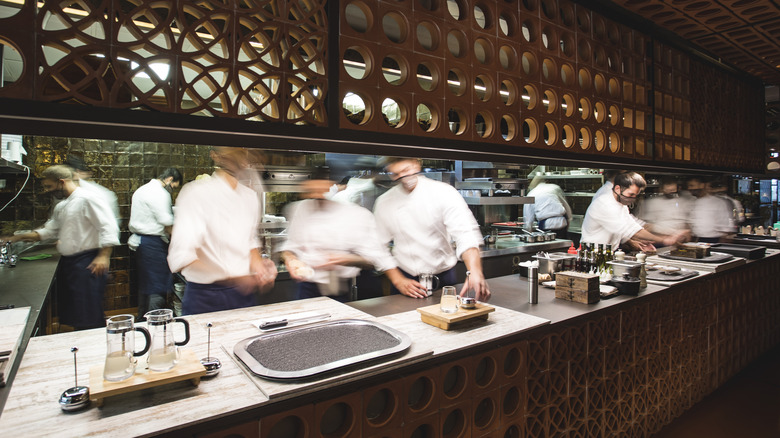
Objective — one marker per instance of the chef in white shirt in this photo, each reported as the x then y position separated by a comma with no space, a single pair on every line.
710,215
328,242
82,176
549,209
608,221
87,231
667,213
422,217
215,241
609,178
151,220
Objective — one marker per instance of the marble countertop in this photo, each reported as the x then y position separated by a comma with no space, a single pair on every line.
47,369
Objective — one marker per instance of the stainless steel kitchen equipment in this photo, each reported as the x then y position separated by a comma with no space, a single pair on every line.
552,262
626,267
212,364
77,397
313,349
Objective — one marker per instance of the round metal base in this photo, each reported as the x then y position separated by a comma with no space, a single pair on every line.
74,398
212,365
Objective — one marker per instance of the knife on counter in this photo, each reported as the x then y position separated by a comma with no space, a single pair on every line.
293,319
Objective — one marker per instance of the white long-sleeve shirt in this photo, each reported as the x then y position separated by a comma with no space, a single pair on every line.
423,223
217,226
151,210
711,217
549,205
319,228
608,221
666,215
108,196
82,221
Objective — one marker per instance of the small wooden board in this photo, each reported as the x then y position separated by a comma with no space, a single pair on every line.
434,316
187,368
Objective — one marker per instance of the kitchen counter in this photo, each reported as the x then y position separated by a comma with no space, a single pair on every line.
665,323
27,285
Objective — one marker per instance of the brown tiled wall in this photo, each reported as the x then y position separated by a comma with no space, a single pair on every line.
118,165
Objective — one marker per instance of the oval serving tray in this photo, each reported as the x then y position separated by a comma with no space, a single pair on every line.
317,348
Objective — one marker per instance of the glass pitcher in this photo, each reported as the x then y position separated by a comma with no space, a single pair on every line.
120,347
163,353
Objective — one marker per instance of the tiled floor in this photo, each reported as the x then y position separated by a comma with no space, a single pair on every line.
747,406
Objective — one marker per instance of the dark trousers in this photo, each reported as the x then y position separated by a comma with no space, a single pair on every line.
80,292
204,298
446,278
154,277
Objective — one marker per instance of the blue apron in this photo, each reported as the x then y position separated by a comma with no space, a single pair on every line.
204,298
79,292
154,276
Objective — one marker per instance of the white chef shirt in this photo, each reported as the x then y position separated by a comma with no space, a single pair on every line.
422,224
217,226
607,221
321,227
550,205
81,222
711,217
666,215
108,196
151,210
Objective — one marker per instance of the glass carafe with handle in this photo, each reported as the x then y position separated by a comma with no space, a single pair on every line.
120,347
163,352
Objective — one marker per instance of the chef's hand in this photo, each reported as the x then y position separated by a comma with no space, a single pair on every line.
679,237
298,270
99,265
264,271
477,282
410,288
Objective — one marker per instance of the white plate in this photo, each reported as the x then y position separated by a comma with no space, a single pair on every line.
550,284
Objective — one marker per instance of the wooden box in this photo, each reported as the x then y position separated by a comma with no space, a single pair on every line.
577,286
692,250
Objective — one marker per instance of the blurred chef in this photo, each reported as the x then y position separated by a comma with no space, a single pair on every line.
710,215
328,242
151,221
82,175
215,241
87,231
608,221
421,217
666,213
549,209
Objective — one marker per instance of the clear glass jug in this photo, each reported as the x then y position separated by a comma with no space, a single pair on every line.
120,347
163,353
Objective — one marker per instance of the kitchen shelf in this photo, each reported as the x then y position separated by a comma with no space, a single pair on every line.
584,176
11,167
579,195
499,200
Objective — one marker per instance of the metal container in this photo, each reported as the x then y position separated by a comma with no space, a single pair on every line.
552,262
626,267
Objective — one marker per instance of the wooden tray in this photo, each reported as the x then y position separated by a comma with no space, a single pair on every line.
446,321
187,368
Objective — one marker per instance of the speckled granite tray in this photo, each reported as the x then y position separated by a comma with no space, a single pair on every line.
306,351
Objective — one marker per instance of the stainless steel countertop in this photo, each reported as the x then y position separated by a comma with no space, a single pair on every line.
508,246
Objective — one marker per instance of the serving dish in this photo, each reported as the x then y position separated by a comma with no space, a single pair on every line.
313,349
